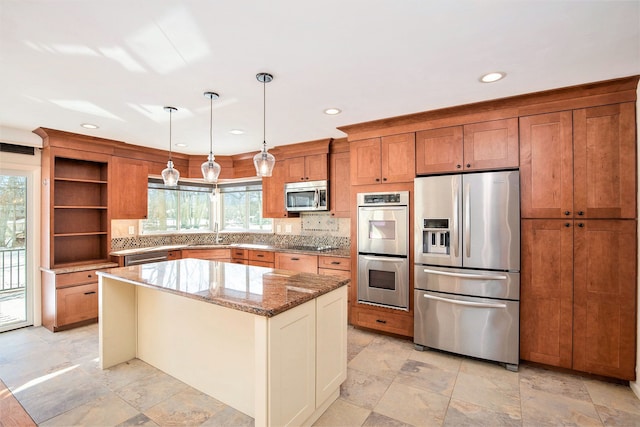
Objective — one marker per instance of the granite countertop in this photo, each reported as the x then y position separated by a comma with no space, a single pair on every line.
337,252
257,290
81,267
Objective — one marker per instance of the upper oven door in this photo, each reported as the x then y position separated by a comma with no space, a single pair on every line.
383,230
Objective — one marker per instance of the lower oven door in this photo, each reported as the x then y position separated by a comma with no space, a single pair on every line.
479,327
383,281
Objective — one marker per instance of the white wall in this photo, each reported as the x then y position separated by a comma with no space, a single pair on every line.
31,166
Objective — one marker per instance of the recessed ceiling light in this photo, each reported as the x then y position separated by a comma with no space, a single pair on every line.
181,144
236,131
332,111
89,126
493,77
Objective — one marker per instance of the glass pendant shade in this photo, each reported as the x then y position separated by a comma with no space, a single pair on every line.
170,175
264,162
210,169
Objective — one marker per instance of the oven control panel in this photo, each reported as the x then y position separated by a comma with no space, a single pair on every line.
400,198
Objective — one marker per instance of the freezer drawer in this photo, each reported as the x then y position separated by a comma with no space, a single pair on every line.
477,283
478,327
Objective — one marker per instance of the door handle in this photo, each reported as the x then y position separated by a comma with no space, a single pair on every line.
467,221
466,303
467,275
455,227
383,258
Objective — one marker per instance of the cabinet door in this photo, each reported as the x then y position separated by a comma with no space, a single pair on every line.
546,292
331,343
76,303
398,158
316,167
439,150
294,169
128,188
273,193
605,281
491,145
605,161
546,166
365,161
340,185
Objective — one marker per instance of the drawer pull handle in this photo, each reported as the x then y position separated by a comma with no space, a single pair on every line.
381,321
335,262
295,259
90,292
260,256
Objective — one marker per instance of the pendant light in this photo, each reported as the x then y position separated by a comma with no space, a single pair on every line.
170,175
264,161
211,169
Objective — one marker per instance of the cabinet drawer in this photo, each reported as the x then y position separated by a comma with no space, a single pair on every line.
335,263
389,322
208,254
338,273
78,278
76,303
261,263
263,256
297,262
240,261
238,254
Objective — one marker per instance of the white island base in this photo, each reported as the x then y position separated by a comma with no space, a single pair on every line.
280,370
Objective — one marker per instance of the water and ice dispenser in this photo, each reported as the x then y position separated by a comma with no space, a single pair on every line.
436,236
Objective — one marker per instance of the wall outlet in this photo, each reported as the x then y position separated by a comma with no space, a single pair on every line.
278,229
132,229
287,228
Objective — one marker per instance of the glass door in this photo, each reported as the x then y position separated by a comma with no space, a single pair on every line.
15,292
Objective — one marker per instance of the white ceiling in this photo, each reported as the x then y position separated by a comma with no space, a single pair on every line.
117,63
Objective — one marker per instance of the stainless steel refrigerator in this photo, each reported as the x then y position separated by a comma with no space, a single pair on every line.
467,265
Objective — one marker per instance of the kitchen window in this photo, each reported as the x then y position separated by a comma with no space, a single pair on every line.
196,207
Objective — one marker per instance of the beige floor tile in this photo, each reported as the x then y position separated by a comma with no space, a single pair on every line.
544,408
379,420
493,393
382,357
107,410
229,417
427,377
140,420
122,374
342,414
618,418
462,414
563,384
363,389
412,405
186,408
438,359
150,390
614,396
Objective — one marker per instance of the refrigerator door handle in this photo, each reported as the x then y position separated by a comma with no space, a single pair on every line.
456,226
466,303
467,221
466,275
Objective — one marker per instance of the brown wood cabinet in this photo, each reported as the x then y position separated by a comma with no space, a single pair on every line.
69,299
296,262
477,146
261,258
208,254
273,194
306,168
579,164
128,188
339,185
388,159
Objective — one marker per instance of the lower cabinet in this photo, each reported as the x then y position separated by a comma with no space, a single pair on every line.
208,254
69,299
578,295
297,262
298,341
260,258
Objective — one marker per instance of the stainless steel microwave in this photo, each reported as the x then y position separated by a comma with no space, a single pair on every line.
306,196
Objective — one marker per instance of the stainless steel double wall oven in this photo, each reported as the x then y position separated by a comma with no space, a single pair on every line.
383,249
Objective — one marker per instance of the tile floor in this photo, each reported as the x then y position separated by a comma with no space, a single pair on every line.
56,378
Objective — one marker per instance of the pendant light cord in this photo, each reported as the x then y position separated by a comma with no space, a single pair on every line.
211,127
170,121
264,114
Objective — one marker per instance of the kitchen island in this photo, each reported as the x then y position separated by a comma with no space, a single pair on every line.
270,343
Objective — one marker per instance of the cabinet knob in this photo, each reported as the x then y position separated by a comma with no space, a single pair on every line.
458,166
567,213
306,178
581,225
377,179
468,165
580,213
384,179
302,178
566,224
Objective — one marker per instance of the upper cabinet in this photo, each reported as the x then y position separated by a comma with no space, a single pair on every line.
339,179
129,188
388,159
478,146
306,168
273,192
579,164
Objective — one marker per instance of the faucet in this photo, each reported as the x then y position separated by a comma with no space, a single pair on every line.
218,239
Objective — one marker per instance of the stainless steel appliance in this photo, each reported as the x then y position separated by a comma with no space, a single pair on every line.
306,196
383,249
467,272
